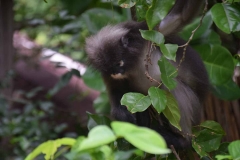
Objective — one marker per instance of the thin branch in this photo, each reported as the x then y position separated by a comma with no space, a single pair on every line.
174,152
193,32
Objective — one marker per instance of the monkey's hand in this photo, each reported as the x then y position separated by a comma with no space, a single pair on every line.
121,113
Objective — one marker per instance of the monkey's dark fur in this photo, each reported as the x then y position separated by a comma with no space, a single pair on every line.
118,52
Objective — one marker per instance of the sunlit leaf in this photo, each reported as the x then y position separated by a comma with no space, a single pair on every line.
169,51
143,138
98,136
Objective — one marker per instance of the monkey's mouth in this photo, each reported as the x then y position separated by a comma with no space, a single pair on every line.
118,76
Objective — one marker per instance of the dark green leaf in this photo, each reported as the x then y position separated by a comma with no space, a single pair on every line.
169,51
214,126
227,91
226,16
172,112
93,79
208,140
168,73
135,102
158,98
158,10
143,138
95,120
218,62
198,149
101,104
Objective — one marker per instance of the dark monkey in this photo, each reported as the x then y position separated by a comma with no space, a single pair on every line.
118,52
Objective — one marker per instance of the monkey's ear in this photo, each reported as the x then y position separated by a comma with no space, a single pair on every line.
124,41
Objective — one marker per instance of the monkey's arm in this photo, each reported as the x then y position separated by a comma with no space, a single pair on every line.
116,89
180,15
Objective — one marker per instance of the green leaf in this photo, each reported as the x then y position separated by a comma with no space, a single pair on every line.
98,136
143,138
158,98
135,102
226,16
153,36
126,3
168,73
218,62
158,10
234,149
208,140
141,9
64,80
169,50
227,91
172,112
95,120
50,147
93,79
101,104
205,27
198,149
224,157
214,126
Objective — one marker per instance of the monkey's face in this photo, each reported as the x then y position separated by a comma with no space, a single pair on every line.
115,50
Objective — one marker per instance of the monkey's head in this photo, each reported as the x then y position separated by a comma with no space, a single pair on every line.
114,50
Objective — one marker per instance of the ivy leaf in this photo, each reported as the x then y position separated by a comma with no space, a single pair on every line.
198,149
168,73
226,16
153,36
169,51
158,10
98,136
172,112
158,98
143,138
218,62
135,102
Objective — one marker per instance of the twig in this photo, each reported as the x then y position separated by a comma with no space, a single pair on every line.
193,32
174,152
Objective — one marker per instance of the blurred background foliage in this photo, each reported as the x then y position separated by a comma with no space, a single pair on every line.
60,25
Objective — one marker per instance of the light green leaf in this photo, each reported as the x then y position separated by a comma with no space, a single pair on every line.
169,51
50,147
172,112
224,157
226,16
98,136
135,102
158,98
158,10
143,138
168,73
153,36
218,62
234,149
